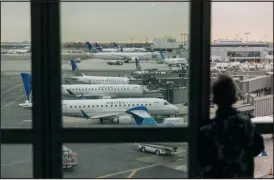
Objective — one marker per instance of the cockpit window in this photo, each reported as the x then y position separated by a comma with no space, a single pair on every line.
165,103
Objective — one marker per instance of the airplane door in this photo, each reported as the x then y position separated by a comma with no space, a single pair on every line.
64,108
156,104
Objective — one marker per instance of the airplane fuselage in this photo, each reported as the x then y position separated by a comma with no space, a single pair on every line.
94,90
96,107
101,80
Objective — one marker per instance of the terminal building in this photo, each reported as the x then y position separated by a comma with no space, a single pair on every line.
241,51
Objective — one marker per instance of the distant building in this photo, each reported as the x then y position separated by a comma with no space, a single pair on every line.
167,43
241,51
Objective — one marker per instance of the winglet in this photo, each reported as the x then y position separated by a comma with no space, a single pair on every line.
84,114
71,93
26,78
141,116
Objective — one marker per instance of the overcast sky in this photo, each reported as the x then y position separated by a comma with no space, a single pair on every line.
104,22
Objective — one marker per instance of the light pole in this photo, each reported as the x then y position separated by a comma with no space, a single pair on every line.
131,43
237,36
247,33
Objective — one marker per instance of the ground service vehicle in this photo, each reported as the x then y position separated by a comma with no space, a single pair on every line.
115,62
69,158
157,149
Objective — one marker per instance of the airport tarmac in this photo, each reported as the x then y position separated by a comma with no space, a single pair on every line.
95,160
93,65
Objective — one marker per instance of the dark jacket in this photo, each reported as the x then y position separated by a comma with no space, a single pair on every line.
228,145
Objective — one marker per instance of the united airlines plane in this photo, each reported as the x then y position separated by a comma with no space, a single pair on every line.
127,56
80,77
95,90
108,109
173,61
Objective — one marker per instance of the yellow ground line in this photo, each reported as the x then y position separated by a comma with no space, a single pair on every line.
133,172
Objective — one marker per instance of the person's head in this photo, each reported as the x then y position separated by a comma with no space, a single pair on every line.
224,91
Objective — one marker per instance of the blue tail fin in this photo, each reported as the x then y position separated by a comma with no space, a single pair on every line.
89,46
73,65
141,116
75,69
26,77
162,55
98,47
115,45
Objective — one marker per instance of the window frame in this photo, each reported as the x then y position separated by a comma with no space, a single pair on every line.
47,133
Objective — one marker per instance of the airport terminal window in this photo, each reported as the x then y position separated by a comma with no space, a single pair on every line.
73,135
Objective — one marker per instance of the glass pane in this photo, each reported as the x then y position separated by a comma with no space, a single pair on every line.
242,41
143,55
16,161
126,160
15,59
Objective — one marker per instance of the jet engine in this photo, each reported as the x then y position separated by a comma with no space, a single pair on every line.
126,119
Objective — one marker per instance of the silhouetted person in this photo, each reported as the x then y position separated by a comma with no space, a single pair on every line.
229,142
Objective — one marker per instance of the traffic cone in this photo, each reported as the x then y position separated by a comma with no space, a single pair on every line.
270,172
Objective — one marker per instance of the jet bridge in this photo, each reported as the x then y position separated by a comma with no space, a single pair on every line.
256,84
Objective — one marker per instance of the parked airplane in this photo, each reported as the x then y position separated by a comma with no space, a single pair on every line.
109,109
80,77
133,49
173,61
140,70
127,56
95,90
100,49
25,50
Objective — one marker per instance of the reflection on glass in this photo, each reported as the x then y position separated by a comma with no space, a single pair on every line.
137,58
245,55
16,161
127,160
15,58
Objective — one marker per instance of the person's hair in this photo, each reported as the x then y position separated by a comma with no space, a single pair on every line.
224,91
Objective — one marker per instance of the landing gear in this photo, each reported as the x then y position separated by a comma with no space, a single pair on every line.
101,120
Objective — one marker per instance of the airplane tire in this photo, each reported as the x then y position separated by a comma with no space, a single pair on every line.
157,152
101,121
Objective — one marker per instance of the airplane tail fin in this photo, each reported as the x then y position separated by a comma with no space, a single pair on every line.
75,69
116,45
26,78
89,46
98,47
162,55
141,116
138,66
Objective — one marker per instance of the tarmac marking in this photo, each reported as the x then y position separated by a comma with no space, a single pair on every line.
13,163
133,172
27,120
10,89
102,147
136,169
12,102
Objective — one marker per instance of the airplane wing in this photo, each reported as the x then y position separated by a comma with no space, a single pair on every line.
105,115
